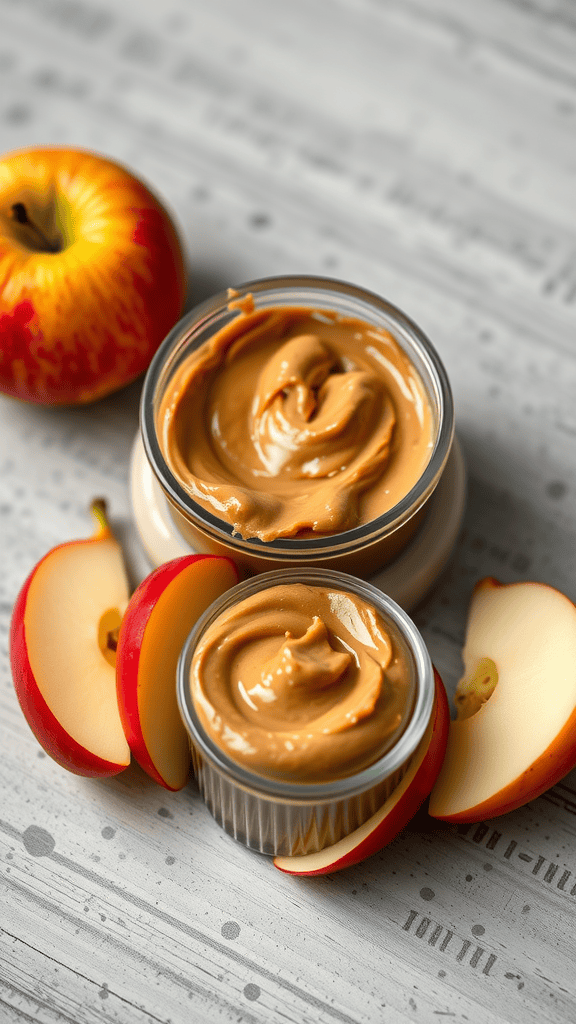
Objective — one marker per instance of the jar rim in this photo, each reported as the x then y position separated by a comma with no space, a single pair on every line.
337,789
270,292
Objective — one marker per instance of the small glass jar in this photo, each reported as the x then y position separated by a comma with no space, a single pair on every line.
363,549
284,818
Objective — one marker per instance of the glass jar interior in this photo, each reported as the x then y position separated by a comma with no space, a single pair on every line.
201,324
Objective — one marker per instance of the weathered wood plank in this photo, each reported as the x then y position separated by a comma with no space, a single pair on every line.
426,151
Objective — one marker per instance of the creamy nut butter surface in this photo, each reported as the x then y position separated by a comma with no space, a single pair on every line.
302,683
296,422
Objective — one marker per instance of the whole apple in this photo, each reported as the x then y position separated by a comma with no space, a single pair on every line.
91,276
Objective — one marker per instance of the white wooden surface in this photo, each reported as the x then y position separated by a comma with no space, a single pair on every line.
425,150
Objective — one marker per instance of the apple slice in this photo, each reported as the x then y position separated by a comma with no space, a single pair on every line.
62,640
516,731
394,814
159,617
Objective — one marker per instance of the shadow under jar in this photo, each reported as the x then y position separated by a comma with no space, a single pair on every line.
265,809
298,398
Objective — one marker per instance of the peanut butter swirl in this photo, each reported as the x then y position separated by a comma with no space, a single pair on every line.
302,684
292,421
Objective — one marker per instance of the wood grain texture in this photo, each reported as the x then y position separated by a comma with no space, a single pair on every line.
422,149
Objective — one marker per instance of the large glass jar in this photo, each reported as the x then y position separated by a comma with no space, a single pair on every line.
362,549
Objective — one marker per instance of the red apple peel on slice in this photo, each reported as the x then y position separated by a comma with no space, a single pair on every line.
62,642
396,811
521,740
159,617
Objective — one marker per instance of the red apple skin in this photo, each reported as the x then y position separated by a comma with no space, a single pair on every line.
553,764
79,323
134,623
45,726
406,807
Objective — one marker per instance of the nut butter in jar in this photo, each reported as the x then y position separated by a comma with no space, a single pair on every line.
306,694
297,421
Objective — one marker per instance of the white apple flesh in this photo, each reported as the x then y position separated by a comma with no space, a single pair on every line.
161,613
521,739
62,662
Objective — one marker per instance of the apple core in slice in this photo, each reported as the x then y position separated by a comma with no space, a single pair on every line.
108,629
473,691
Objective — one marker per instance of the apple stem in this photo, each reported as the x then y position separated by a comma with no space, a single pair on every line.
20,215
99,510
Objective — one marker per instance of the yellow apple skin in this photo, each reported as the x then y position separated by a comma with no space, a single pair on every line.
545,771
160,615
91,276
396,811
48,730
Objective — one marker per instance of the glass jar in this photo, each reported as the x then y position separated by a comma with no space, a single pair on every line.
284,818
363,549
